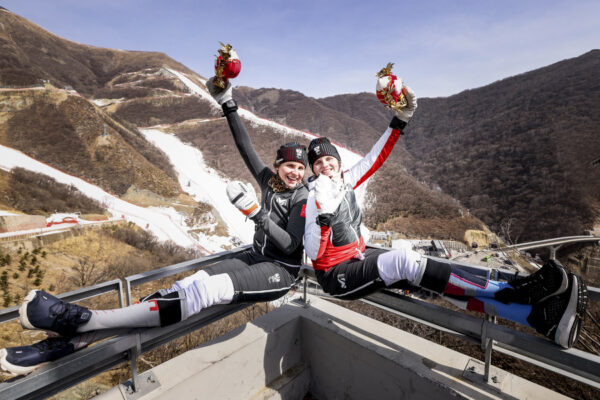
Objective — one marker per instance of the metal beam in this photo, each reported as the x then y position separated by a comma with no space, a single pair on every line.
574,362
87,363
148,276
11,313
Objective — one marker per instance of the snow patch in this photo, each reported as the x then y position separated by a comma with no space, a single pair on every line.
159,221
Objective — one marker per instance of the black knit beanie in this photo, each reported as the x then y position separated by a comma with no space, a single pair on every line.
320,147
292,151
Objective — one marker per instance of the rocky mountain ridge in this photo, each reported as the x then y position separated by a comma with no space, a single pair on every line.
411,194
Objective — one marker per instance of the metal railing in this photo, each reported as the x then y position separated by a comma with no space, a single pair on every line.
8,314
127,347
89,362
575,364
138,279
130,344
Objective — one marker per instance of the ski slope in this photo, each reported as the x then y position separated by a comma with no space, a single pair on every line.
348,156
195,177
158,219
201,182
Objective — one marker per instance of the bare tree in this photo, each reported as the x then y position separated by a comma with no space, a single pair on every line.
506,229
86,273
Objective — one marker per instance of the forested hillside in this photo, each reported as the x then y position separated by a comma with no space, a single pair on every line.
517,153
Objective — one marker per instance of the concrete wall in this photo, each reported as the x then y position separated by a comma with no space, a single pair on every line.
33,241
11,223
326,350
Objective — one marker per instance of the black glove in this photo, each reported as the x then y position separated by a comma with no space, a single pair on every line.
324,219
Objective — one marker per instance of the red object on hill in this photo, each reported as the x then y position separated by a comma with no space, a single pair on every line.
65,220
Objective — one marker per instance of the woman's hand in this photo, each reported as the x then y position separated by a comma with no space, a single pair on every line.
407,112
220,95
329,194
244,198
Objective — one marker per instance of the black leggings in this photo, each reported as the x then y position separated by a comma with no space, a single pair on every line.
256,277
354,278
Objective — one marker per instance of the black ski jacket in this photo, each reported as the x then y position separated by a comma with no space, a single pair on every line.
280,230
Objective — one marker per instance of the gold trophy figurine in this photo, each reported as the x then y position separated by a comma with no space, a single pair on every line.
389,89
227,65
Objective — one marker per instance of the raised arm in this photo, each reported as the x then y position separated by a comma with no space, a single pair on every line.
362,170
238,130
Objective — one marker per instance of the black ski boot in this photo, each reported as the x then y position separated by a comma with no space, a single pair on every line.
41,310
24,359
559,317
548,281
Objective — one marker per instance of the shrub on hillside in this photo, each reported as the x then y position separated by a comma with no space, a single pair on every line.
153,154
163,253
34,193
163,110
14,77
127,92
63,135
165,83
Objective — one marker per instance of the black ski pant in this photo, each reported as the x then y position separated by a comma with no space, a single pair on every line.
355,278
256,277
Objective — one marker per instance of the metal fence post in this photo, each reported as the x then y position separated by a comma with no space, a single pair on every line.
133,355
128,291
121,299
489,343
489,347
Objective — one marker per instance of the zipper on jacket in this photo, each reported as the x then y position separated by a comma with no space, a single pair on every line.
352,227
268,216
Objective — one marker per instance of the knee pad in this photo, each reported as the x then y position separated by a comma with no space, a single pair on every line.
401,264
188,280
216,289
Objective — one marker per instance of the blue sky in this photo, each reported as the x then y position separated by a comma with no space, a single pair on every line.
323,48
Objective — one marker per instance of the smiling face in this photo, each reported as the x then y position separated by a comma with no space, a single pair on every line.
291,173
326,165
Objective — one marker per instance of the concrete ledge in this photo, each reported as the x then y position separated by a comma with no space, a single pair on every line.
330,351
11,223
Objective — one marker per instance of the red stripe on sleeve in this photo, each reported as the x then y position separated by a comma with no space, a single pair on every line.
325,230
383,155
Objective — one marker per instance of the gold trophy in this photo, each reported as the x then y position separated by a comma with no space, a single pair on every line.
389,89
227,65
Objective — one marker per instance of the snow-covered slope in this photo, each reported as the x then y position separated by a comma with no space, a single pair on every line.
203,183
195,177
349,157
160,221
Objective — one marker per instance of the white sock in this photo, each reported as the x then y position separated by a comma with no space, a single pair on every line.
140,315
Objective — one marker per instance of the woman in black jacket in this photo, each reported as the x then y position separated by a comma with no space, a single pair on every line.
265,272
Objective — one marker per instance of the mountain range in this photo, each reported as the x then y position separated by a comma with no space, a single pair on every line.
515,155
